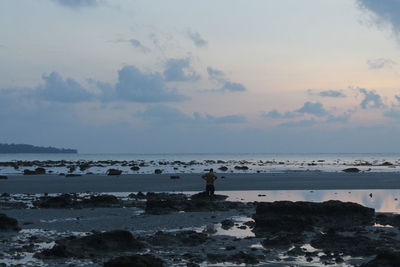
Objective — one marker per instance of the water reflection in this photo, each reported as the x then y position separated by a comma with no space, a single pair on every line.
380,200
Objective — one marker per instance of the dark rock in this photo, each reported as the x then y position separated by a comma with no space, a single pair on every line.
204,196
241,168
57,202
230,248
349,245
304,216
238,258
385,259
136,260
386,163
158,171
296,251
283,240
388,219
135,168
35,172
8,224
223,168
114,172
164,203
184,238
175,177
352,170
73,175
92,245
101,201
227,224
3,177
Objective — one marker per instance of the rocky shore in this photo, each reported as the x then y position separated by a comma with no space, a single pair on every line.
164,229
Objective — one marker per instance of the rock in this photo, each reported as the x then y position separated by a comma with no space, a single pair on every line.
223,168
238,258
73,175
175,177
135,168
351,170
8,224
204,196
385,259
241,168
35,172
304,216
136,260
227,224
113,172
283,240
57,202
388,219
387,163
164,203
3,177
181,239
349,245
92,245
158,171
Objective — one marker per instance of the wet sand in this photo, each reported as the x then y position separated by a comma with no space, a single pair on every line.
193,182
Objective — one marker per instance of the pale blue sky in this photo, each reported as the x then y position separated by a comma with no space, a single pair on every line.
201,76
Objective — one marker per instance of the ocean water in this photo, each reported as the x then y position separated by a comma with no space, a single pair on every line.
379,162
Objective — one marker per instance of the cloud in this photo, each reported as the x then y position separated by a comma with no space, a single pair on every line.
226,119
380,63
162,114
232,87
313,108
215,74
179,70
275,114
371,99
301,123
392,113
77,3
226,85
137,86
196,39
326,93
384,12
58,89
137,44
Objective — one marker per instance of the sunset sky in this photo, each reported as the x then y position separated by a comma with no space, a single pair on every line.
144,76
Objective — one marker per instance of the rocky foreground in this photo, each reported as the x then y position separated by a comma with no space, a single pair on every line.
180,230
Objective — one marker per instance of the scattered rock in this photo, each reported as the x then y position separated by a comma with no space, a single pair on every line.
135,168
73,175
352,170
8,224
385,259
388,219
92,245
114,172
3,177
304,216
227,224
184,238
35,172
241,168
175,177
158,171
223,168
136,260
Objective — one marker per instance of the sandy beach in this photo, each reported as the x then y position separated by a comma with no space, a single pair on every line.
193,182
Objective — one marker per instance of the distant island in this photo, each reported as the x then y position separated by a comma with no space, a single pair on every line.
24,148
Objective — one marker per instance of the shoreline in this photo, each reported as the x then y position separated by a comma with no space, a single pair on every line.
192,182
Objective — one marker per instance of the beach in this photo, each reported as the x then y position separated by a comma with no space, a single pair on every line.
180,230
193,182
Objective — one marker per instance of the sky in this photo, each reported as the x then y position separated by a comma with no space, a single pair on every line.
185,76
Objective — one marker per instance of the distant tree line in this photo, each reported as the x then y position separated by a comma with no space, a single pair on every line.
24,148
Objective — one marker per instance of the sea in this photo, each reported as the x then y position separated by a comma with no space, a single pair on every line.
200,162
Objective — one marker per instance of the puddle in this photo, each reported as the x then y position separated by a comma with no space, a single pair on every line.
239,230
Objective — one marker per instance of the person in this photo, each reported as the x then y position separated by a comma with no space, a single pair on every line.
210,177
